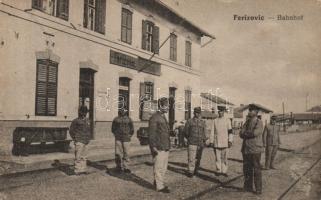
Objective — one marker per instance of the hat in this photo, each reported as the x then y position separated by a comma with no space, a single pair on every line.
197,110
221,108
162,102
83,109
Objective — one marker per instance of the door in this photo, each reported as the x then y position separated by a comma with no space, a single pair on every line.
86,94
123,97
171,111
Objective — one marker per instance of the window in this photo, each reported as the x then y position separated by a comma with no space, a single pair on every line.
46,88
57,8
188,53
150,37
126,26
173,47
146,94
123,97
188,104
94,15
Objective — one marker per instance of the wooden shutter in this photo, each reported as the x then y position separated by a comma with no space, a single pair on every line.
63,9
85,13
156,40
129,27
100,16
141,99
144,36
37,4
46,89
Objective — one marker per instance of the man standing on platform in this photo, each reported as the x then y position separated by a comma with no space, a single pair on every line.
252,148
271,141
80,132
123,130
222,139
195,129
159,142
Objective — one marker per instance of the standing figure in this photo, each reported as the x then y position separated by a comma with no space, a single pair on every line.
123,130
80,132
252,148
271,141
159,142
181,134
196,138
222,139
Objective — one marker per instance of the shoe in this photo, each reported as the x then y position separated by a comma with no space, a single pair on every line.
224,174
127,171
164,190
190,175
81,173
258,192
272,167
154,184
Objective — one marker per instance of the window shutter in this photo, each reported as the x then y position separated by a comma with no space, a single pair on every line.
144,36
141,99
63,9
85,13
37,4
156,39
129,27
100,16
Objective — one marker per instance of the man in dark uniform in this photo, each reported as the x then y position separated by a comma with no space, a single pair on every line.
271,141
159,142
195,129
252,147
123,130
80,132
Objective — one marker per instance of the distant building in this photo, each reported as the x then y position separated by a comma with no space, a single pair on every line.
210,102
241,112
315,109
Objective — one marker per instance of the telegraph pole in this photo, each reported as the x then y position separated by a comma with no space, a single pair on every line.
283,117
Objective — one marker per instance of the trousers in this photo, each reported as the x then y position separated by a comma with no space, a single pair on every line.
81,152
122,154
252,172
194,157
160,168
270,153
221,160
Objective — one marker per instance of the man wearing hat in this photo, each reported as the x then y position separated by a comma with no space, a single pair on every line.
159,143
123,129
222,139
195,129
271,141
80,132
252,147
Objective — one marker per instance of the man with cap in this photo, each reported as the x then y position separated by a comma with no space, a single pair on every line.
271,141
80,132
159,143
252,147
221,139
123,129
195,132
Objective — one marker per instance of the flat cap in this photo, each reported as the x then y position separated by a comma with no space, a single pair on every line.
197,110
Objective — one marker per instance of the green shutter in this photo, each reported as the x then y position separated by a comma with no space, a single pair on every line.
63,9
85,13
156,40
100,16
144,37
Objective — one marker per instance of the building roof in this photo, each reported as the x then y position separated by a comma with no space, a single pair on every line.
215,99
171,15
298,116
315,109
260,107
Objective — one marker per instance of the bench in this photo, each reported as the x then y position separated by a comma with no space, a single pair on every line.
27,140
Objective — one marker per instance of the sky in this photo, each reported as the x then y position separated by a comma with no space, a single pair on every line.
266,62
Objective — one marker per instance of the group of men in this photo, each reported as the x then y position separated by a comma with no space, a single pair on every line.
255,137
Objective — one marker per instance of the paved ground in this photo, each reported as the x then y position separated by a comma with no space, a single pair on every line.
56,184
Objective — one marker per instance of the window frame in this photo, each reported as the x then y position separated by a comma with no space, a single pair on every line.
126,27
94,15
56,12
